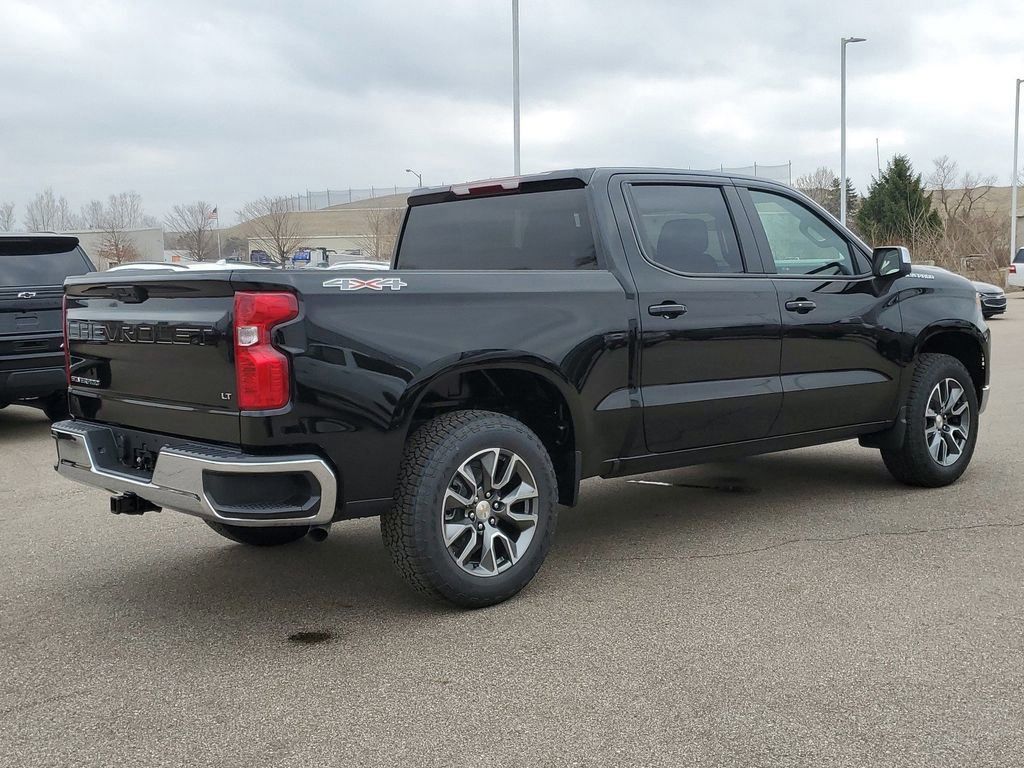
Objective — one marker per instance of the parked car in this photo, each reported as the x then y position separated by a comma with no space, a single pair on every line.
1016,276
993,298
371,265
535,331
183,266
32,272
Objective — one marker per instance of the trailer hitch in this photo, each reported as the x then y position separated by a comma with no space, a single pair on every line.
130,504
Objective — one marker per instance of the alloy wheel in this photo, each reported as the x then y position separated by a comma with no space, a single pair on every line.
489,513
947,420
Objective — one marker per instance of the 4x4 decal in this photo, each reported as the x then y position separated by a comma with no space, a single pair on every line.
373,283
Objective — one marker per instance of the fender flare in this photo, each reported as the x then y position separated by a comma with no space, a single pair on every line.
951,325
484,360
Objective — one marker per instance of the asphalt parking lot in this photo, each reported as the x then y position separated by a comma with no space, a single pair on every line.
793,609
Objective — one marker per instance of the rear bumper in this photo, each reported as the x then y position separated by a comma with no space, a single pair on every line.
207,481
33,382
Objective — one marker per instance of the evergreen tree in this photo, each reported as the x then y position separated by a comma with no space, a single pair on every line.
897,205
852,199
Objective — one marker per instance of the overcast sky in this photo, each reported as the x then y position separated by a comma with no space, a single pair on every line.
225,101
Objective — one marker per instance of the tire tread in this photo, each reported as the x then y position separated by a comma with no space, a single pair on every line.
418,478
911,462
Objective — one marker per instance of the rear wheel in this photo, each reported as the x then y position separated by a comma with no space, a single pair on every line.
271,536
942,424
474,509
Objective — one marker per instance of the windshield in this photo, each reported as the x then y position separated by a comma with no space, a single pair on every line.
40,262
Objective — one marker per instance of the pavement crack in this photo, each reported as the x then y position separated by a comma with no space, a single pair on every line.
27,706
824,540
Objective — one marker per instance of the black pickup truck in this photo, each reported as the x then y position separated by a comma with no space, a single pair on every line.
534,331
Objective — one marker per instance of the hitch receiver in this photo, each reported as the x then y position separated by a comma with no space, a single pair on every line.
130,504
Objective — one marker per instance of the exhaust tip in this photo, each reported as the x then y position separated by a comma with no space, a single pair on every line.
319,533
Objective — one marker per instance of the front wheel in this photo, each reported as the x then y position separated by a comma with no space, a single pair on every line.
942,424
270,536
474,508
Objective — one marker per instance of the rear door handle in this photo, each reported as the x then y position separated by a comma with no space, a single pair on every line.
667,309
801,306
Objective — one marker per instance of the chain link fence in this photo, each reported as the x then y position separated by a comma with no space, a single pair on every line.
318,199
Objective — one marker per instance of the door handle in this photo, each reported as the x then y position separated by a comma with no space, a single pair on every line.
666,309
800,306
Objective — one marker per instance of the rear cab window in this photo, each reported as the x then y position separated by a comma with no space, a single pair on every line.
40,261
686,228
548,230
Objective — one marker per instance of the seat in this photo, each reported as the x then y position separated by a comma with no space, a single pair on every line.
683,246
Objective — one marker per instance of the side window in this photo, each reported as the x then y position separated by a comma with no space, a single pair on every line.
802,243
686,228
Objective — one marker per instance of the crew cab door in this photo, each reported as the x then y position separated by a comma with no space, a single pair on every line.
840,364
709,317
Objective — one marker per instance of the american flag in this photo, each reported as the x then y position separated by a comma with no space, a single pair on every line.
213,215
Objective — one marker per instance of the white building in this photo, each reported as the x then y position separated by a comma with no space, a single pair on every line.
149,244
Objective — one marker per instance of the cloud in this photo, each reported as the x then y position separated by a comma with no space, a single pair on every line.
234,100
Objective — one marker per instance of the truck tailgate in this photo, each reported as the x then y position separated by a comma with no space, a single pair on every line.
155,353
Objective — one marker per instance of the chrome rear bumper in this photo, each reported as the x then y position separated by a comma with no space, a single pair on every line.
183,479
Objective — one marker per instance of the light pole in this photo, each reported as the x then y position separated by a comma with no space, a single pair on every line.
842,131
1013,179
515,83
419,176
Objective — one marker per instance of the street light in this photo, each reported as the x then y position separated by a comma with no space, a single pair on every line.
419,176
1013,179
842,132
515,84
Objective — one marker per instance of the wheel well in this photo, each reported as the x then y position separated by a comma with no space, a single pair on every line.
526,397
964,348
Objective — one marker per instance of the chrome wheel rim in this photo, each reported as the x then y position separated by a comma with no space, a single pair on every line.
490,511
947,422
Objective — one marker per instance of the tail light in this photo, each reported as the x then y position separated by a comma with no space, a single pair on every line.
67,343
1013,269
262,372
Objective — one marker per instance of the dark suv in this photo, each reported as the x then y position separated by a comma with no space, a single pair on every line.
32,272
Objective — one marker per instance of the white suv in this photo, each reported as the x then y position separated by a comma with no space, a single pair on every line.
1016,276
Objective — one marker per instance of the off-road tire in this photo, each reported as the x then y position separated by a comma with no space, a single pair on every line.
911,463
270,536
411,529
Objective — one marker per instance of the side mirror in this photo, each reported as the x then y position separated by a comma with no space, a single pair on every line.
890,261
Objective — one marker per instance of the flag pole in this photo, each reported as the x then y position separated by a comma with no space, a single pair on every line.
216,210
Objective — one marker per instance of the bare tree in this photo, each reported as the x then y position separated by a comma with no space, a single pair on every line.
92,215
271,220
383,226
957,195
122,213
818,185
48,213
6,217
191,223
